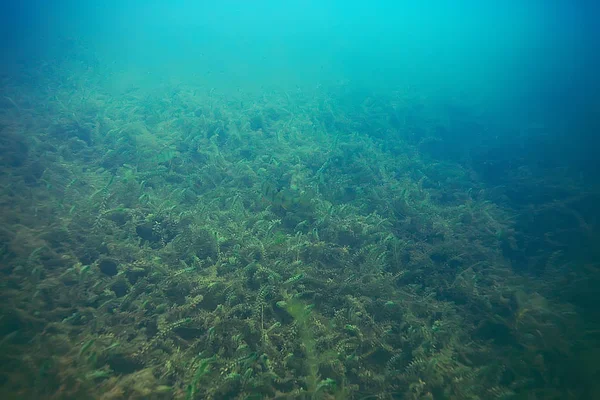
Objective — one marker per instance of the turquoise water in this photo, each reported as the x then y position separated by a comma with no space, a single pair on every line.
300,199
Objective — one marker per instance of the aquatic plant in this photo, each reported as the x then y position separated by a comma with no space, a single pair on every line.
176,244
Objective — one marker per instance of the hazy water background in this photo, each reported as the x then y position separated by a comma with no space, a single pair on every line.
522,63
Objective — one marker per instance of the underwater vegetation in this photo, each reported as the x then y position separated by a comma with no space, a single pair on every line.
183,244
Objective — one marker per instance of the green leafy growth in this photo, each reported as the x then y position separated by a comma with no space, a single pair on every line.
202,370
301,314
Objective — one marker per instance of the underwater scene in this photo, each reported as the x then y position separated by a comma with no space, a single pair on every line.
299,200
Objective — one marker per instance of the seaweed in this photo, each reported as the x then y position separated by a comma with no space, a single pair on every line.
176,244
